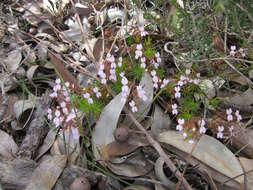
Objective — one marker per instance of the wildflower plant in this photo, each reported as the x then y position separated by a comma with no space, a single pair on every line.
122,72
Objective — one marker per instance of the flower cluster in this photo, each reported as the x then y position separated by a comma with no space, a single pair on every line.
142,30
174,109
124,88
133,106
101,73
86,95
64,114
138,51
111,59
155,79
141,93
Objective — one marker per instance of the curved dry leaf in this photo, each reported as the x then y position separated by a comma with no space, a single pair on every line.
120,149
247,165
7,107
161,121
32,9
243,140
107,123
8,147
65,144
53,6
31,71
46,174
98,50
243,99
209,151
16,173
13,60
47,143
134,166
159,171
21,106
136,187
7,83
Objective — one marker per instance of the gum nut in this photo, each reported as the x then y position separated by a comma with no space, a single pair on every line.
80,183
121,134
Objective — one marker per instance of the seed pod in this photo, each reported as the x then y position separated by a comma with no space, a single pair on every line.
121,134
81,183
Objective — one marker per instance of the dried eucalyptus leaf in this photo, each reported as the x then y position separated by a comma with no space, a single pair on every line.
209,151
247,165
21,106
107,123
135,165
243,99
8,148
47,143
13,60
31,71
15,173
46,174
161,121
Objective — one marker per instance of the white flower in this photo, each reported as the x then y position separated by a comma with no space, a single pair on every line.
86,95
153,73
63,104
141,93
58,81
180,83
142,30
231,130
143,65
57,113
177,95
229,111
155,79
124,88
187,71
49,111
120,62
98,94
185,135
177,88
165,82
53,95
202,123
219,135
180,121
174,109
230,118
202,130
56,121
65,111
124,80
103,81
174,106
179,127
239,117
90,101
174,112
139,47
196,81
191,141
49,116
67,84
233,48
220,128
198,75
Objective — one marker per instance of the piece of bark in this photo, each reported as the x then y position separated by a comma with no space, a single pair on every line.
37,129
15,174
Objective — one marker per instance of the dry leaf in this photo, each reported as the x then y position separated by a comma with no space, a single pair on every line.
107,123
8,148
46,174
208,151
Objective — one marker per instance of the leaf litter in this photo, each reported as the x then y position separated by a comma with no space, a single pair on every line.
189,95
